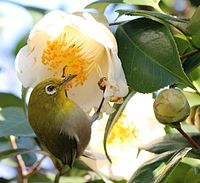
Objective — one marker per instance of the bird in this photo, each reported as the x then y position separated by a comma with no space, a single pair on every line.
61,126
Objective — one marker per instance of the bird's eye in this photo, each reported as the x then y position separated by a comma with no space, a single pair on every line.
50,89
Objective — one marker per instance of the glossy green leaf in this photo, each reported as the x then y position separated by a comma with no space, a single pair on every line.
196,40
179,24
113,119
14,152
178,175
14,122
193,27
171,165
152,3
149,56
145,173
101,5
192,176
8,99
195,77
157,169
191,63
150,14
171,143
182,43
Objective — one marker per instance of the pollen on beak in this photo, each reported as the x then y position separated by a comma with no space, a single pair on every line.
68,79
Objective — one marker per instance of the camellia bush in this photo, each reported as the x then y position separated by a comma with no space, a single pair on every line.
150,49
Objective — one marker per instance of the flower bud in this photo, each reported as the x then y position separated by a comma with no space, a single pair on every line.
171,106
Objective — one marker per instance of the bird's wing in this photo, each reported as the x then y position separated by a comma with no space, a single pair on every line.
62,146
72,151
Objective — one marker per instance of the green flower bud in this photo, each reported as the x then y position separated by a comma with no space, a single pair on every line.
171,106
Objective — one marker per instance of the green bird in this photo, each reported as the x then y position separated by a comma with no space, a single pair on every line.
59,123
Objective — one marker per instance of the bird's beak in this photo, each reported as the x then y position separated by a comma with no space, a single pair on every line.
68,79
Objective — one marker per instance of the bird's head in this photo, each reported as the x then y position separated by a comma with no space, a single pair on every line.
51,88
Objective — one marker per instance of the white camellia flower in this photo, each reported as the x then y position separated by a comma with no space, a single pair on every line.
82,46
136,127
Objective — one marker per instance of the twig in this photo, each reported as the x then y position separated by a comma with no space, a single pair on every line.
116,23
24,173
35,167
57,177
188,54
20,161
189,138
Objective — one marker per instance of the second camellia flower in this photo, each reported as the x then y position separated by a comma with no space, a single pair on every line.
82,46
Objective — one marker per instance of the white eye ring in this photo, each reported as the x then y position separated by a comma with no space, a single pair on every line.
50,89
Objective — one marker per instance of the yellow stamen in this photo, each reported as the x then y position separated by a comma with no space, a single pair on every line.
123,132
80,54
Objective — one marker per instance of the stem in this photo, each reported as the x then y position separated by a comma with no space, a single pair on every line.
23,172
35,167
188,54
20,161
57,177
189,138
116,23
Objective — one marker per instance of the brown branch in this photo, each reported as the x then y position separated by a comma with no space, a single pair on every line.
116,23
57,177
188,54
35,167
189,138
24,173
20,161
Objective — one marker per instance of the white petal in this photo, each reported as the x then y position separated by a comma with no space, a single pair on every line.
89,95
25,66
93,29
28,61
116,78
103,35
49,20
39,41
